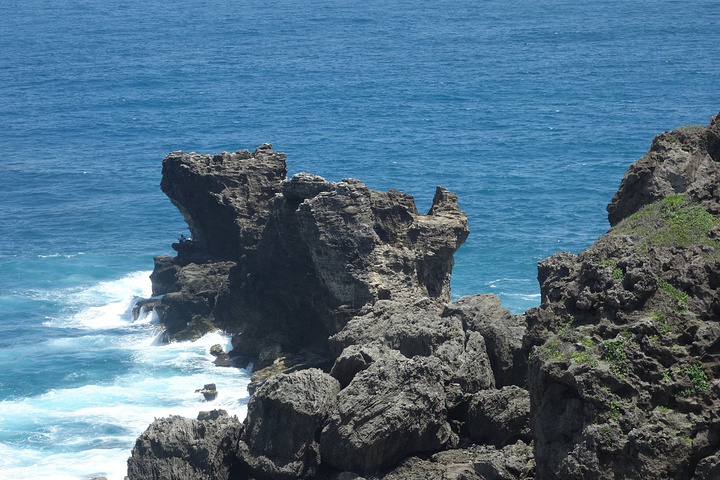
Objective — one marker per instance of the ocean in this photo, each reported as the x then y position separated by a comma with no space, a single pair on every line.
530,111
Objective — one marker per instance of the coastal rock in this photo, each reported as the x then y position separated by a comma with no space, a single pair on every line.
224,197
395,407
683,161
284,419
447,465
209,391
499,417
621,360
188,313
503,334
513,462
184,449
322,260
708,468
624,346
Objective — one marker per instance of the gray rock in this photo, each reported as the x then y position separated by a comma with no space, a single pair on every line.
209,391
708,468
685,160
499,417
394,407
285,415
514,462
184,449
503,334
447,465
224,197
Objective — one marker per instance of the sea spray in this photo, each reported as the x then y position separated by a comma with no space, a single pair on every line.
112,380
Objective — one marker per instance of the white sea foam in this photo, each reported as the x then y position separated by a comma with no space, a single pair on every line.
105,305
89,430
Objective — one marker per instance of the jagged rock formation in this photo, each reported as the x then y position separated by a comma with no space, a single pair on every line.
288,262
614,375
623,378
177,447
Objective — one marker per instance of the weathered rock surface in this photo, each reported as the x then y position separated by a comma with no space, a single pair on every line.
224,197
621,361
413,330
288,262
284,419
394,407
623,376
180,448
499,417
685,160
503,334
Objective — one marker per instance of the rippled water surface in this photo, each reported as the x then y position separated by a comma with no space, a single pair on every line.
530,111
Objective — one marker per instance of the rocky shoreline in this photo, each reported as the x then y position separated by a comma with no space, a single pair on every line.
339,296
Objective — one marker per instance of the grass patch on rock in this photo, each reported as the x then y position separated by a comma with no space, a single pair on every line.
670,222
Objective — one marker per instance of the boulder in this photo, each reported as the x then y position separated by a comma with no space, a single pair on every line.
513,462
503,334
499,417
184,449
394,407
285,415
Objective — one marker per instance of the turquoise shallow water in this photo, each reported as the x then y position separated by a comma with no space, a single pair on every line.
530,111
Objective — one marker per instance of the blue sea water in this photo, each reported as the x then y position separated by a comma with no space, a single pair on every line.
530,110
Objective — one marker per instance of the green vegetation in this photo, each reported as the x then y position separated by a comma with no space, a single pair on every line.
699,379
588,342
671,222
552,350
615,410
663,409
679,297
608,263
691,128
583,357
617,273
566,328
686,129
662,324
616,356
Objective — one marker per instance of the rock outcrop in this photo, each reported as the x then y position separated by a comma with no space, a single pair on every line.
623,375
614,375
288,262
177,447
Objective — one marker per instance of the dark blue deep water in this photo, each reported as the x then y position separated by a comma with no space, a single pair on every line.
530,110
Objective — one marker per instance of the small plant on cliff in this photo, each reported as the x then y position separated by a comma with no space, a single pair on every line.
617,273
679,297
699,380
690,128
616,356
661,321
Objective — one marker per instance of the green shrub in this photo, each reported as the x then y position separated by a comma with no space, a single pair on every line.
679,297
616,356
670,222
698,377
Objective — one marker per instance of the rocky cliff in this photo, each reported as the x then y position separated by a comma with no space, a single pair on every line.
614,375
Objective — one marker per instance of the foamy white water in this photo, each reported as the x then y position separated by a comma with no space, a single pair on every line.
119,380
